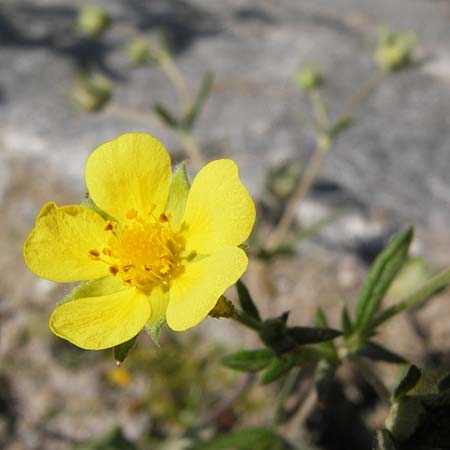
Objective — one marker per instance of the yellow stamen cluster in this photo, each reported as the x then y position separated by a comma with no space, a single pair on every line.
143,252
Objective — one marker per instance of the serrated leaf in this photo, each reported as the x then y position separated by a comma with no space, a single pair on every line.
166,116
277,368
311,335
378,353
154,329
246,439
202,95
121,351
382,273
246,301
407,383
248,360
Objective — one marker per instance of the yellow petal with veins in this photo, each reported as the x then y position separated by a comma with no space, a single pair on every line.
219,210
96,323
58,247
129,173
194,293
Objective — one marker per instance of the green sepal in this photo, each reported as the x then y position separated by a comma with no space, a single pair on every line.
154,329
408,382
121,351
246,301
377,352
248,360
178,193
311,335
277,368
383,271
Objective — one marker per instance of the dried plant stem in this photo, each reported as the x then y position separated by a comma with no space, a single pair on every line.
279,233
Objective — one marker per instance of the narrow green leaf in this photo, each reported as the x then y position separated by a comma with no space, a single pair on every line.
246,439
340,126
248,360
322,322
378,353
383,270
166,116
277,368
408,382
346,322
246,301
197,106
310,335
121,351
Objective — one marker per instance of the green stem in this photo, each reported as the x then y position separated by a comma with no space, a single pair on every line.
285,391
248,321
439,281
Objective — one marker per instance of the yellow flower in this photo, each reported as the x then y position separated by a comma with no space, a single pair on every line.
153,248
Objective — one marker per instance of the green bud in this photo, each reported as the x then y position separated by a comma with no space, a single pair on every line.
394,50
308,78
91,92
140,53
92,20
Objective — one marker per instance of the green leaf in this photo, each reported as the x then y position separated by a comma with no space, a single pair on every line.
166,116
248,360
378,353
179,190
246,439
121,351
346,322
322,322
407,383
246,301
277,368
383,270
202,95
154,329
310,335
340,126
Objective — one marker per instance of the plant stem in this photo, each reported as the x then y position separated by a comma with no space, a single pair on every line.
359,96
191,148
311,171
285,391
248,321
437,282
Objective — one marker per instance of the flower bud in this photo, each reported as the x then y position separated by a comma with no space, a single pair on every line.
308,78
140,53
91,93
92,20
394,50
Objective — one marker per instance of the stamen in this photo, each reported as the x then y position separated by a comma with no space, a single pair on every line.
94,254
114,270
132,214
110,226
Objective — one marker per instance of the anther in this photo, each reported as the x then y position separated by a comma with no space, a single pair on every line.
164,217
109,226
131,214
114,270
94,254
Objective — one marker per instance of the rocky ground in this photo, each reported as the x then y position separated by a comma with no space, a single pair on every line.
391,168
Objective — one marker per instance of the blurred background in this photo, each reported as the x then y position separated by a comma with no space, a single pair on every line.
74,76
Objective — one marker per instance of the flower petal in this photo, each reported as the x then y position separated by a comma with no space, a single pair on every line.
194,293
130,172
58,246
96,323
219,210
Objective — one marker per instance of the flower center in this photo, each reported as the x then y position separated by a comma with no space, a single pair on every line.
144,252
